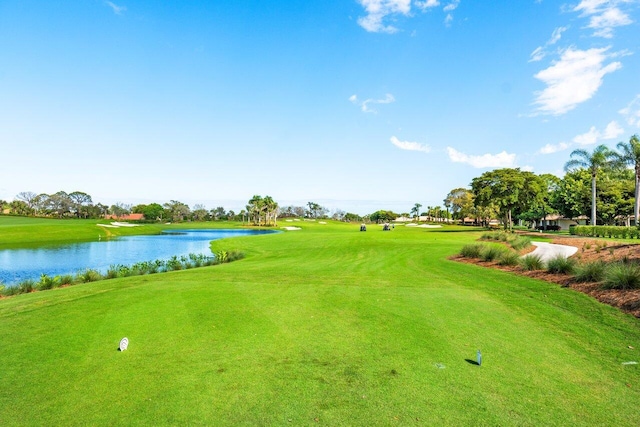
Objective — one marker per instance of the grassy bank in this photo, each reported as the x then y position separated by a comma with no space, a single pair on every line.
325,325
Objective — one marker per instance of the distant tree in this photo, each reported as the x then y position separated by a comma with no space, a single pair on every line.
20,207
629,155
351,217
218,213
460,202
508,189
263,211
60,204
151,212
78,201
383,216
338,215
415,211
199,213
119,209
29,198
540,208
602,158
177,211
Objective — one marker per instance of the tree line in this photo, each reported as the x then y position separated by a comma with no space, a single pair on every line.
602,185
259,210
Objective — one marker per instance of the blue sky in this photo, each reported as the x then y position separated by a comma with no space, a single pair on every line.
357,105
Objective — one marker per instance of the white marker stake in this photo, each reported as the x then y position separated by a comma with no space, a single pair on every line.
124,343
479,358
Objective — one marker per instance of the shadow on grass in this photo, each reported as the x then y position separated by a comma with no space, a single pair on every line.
472,362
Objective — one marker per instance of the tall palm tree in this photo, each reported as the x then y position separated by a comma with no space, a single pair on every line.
630,156
416,211
600,159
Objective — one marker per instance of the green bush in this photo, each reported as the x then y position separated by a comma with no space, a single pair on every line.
590,271
561,264
509,258
491,253
520,242
531,262
88,275
47,282
472,251
621,276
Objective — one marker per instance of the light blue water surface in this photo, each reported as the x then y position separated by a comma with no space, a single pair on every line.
17,265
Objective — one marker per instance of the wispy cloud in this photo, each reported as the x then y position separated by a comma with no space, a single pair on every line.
631,112
379,12
410,146
593,136
554,148
540,52
500,160
604,15
573,79
365,105
116,9
427,4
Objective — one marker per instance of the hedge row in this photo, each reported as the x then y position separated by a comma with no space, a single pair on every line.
606,231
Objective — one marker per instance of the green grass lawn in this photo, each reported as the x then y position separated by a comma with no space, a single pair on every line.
322,326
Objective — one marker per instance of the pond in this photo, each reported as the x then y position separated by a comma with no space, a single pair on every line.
17,265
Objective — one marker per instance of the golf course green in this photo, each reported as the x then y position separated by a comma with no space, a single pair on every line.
324,325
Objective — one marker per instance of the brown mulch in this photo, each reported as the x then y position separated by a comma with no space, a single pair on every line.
589,249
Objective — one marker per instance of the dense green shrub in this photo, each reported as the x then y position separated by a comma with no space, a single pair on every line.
531,262
520,242
472,251
590,271
621,275
509,258
491,253
47,282
561,264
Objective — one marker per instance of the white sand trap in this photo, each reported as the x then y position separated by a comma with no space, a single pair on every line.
547,251
429,226
411,225
321,222
107,225
292,228
123,224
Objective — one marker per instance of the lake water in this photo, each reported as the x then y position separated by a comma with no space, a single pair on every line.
17,265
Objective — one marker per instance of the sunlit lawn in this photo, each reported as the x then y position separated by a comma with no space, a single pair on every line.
326,325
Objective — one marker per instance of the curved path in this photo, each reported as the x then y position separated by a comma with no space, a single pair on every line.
547,251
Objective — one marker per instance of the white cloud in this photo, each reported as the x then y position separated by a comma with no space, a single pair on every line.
540,51
424,5
554,148
631,112
116,9
500,160
593,136
448,19
604,15
411,146
452,6
573,79
587,138
378,10
612,131
365,105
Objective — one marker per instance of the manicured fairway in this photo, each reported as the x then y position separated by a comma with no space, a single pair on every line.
322,326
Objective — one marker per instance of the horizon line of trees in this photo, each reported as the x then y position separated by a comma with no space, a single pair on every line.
602,185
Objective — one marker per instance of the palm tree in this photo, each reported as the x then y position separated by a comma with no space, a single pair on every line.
601,158
416,211
630,156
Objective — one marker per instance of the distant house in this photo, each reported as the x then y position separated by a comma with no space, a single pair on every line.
126,217
562,222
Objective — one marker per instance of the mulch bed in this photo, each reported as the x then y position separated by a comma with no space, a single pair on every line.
589,249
